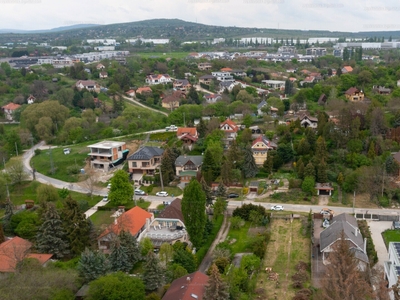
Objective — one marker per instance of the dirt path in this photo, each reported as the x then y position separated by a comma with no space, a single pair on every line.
222,234
323,200
144,106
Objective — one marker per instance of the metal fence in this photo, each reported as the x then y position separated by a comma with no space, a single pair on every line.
375,217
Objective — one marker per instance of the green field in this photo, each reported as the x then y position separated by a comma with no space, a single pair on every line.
61,162
391,236
241,238
28,191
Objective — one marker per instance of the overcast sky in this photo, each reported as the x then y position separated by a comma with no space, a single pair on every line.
334,15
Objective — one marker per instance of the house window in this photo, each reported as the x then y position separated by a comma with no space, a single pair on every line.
134,164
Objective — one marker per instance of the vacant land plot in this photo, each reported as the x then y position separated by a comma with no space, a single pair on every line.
287,247
101,219
160,54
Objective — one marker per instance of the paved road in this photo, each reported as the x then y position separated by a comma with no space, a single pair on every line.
142,105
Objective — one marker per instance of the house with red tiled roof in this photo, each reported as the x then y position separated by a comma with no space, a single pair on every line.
170,102
188,287
204,66
182,85
100,67
136,221
9,110
307,80
347,69
212,98
354,94
260,148
158,79
90,85
103,74
230,128
144,90
14,251
226,70
131,93
188,135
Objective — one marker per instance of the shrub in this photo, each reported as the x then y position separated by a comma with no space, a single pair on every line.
244,211
38,151
295,183
63,193
74,169
245,190
237,222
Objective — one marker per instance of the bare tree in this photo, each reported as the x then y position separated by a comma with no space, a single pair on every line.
343,278
91,182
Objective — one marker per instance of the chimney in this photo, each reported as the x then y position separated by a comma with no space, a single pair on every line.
188,279
184,155
115,221
355,232
365,245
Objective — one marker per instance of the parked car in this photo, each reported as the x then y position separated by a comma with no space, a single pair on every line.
233,195
277,207
105,199
327,211
162,194
67,151
396,225
109,186
139,192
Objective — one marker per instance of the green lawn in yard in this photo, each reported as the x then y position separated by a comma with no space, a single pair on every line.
101,218
169,189
27,191
391,236
42,162
241,236
141,203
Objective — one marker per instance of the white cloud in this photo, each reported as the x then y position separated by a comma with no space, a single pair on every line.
331,15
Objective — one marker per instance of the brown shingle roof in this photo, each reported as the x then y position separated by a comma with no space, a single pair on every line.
186,287
173,211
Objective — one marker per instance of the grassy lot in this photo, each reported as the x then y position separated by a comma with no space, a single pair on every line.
391,236
141,203
287,247
100,218
169,189
42,162
27,191
241,236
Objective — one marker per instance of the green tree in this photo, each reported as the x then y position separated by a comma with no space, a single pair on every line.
2,237
166,253
300,169
131,245
217,288
322,176
119,259
309,171
9,212
371,151
320,149
308,185
207,191
121,191
16,171
193,210
145,246
47,193
249,164
153,273
219,207
167,166
221,190
186,259
92,265
51,237
116,286
76,226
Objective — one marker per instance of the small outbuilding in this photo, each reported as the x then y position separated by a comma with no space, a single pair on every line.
324,189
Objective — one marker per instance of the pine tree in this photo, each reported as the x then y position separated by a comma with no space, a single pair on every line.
320,149
300,169
249,164
322,176
167,166
221,190
131,245
309,171
119,258
201,128
216,288
311,138
208,167
153,273
2,237
51,237
93,265
193,210
226,172
207,191
76,226
371,151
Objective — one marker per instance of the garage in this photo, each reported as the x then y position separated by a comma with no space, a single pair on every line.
324,189
253,186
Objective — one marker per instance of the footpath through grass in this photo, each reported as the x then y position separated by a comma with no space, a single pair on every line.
287,247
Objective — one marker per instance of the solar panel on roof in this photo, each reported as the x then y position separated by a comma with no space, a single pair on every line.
398,270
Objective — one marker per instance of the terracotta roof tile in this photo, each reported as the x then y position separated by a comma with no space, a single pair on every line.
183,288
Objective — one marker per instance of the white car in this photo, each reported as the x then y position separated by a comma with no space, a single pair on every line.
139,192
105,199
277,207
109,186
162,194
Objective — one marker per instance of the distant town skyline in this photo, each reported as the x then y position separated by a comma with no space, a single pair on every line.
277,14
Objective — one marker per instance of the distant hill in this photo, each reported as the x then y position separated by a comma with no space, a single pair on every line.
63,28
173,29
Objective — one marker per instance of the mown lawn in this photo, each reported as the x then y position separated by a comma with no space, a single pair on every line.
241,236
391,236
287,247
169,189
61,162
100,218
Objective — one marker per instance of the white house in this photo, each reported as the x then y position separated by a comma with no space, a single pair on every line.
158,79
223,76
9,110
392,266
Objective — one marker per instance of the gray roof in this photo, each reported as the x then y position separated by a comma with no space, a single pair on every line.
347,224
183,159
225,83
146,153
207,77
261,104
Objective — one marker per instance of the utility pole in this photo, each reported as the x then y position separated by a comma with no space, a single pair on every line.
16,148
383,179
134,195
161,179
51,162
354,202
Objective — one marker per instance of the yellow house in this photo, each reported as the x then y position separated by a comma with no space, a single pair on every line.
170,102
354,94
260,148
